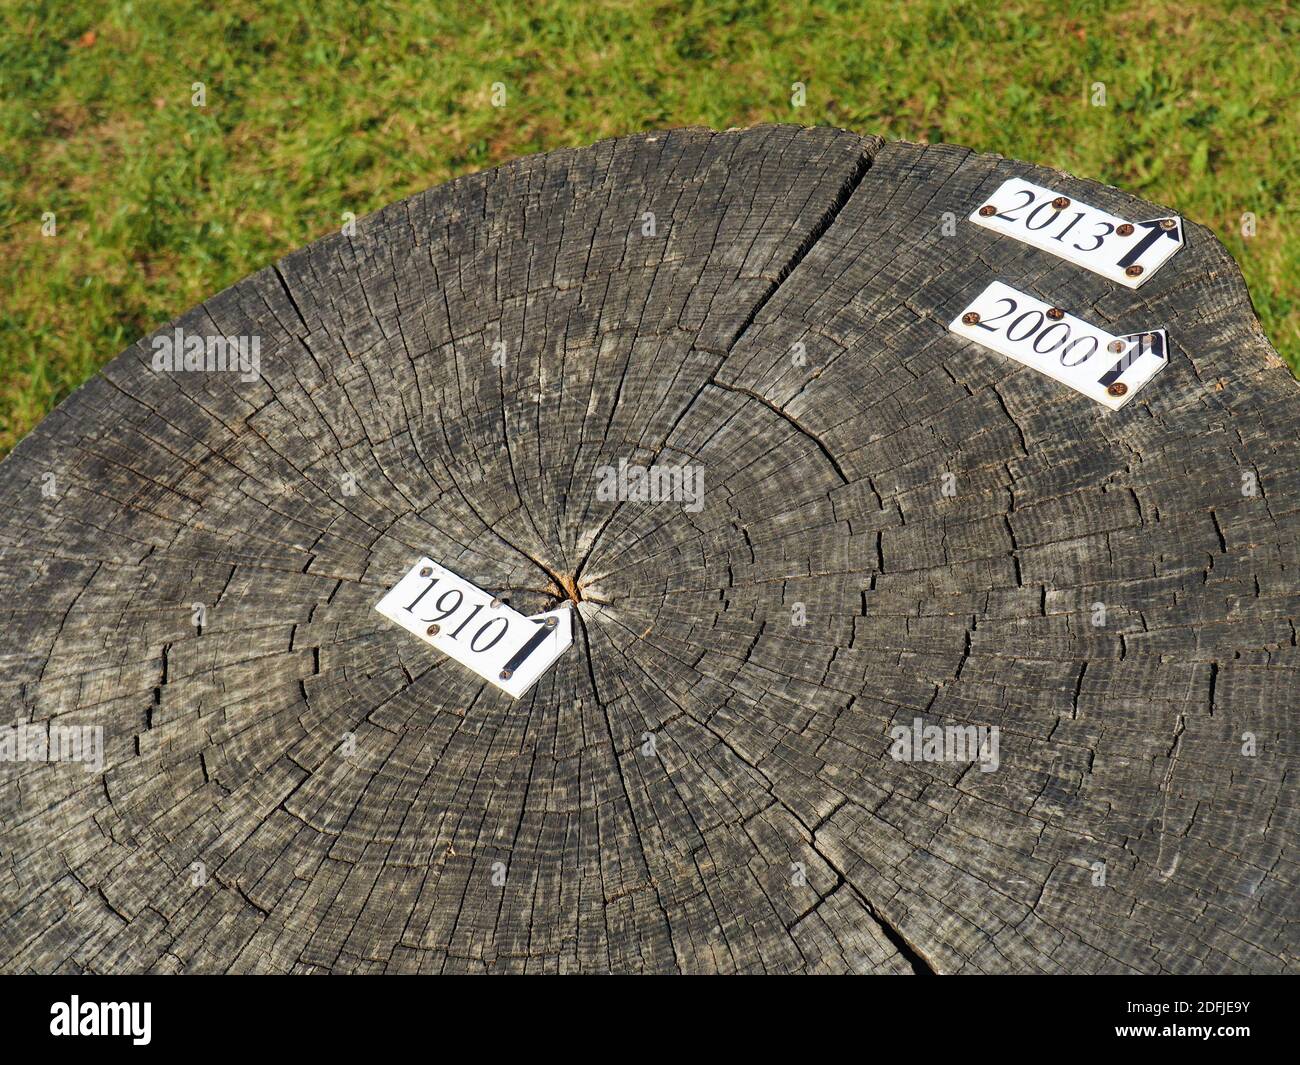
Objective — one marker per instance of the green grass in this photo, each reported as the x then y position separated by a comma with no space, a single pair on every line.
315,108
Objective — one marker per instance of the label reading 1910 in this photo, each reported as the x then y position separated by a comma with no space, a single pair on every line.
476,628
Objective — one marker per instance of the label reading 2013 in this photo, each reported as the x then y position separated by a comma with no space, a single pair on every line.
1127,253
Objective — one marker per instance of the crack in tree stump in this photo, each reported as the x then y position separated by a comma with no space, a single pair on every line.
190,561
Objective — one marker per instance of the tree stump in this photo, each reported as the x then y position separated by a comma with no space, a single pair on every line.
704,781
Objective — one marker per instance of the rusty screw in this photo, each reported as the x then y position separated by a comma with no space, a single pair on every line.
1116,346
506,674
1126,230
1167,223
433,630
988,209
552,622
1133,271
426,572
1061,203
1118,388
970,318
1056,314
496,602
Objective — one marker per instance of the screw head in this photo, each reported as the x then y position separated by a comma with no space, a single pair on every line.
1150,338
506,674
1116,346
1126,230
1133,271
988,209
433,630
496,602
970,318
426,571
552,622
1055,313
1118,388
1061,203
1168,223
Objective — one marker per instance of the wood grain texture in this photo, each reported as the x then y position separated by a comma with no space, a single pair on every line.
769,829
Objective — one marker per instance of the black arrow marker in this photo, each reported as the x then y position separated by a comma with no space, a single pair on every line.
1157,230
1136,345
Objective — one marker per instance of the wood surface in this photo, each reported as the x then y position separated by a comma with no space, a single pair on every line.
355,799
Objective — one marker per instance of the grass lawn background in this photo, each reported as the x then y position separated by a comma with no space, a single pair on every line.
314,109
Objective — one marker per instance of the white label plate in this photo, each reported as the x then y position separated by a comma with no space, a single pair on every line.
1065,348
1100,242
501,645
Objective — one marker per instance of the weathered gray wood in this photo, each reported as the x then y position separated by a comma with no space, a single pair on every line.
227,743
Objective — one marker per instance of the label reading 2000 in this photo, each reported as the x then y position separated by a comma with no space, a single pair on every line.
1103,366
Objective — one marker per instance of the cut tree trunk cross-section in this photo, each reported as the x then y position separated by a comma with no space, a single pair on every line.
901,535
